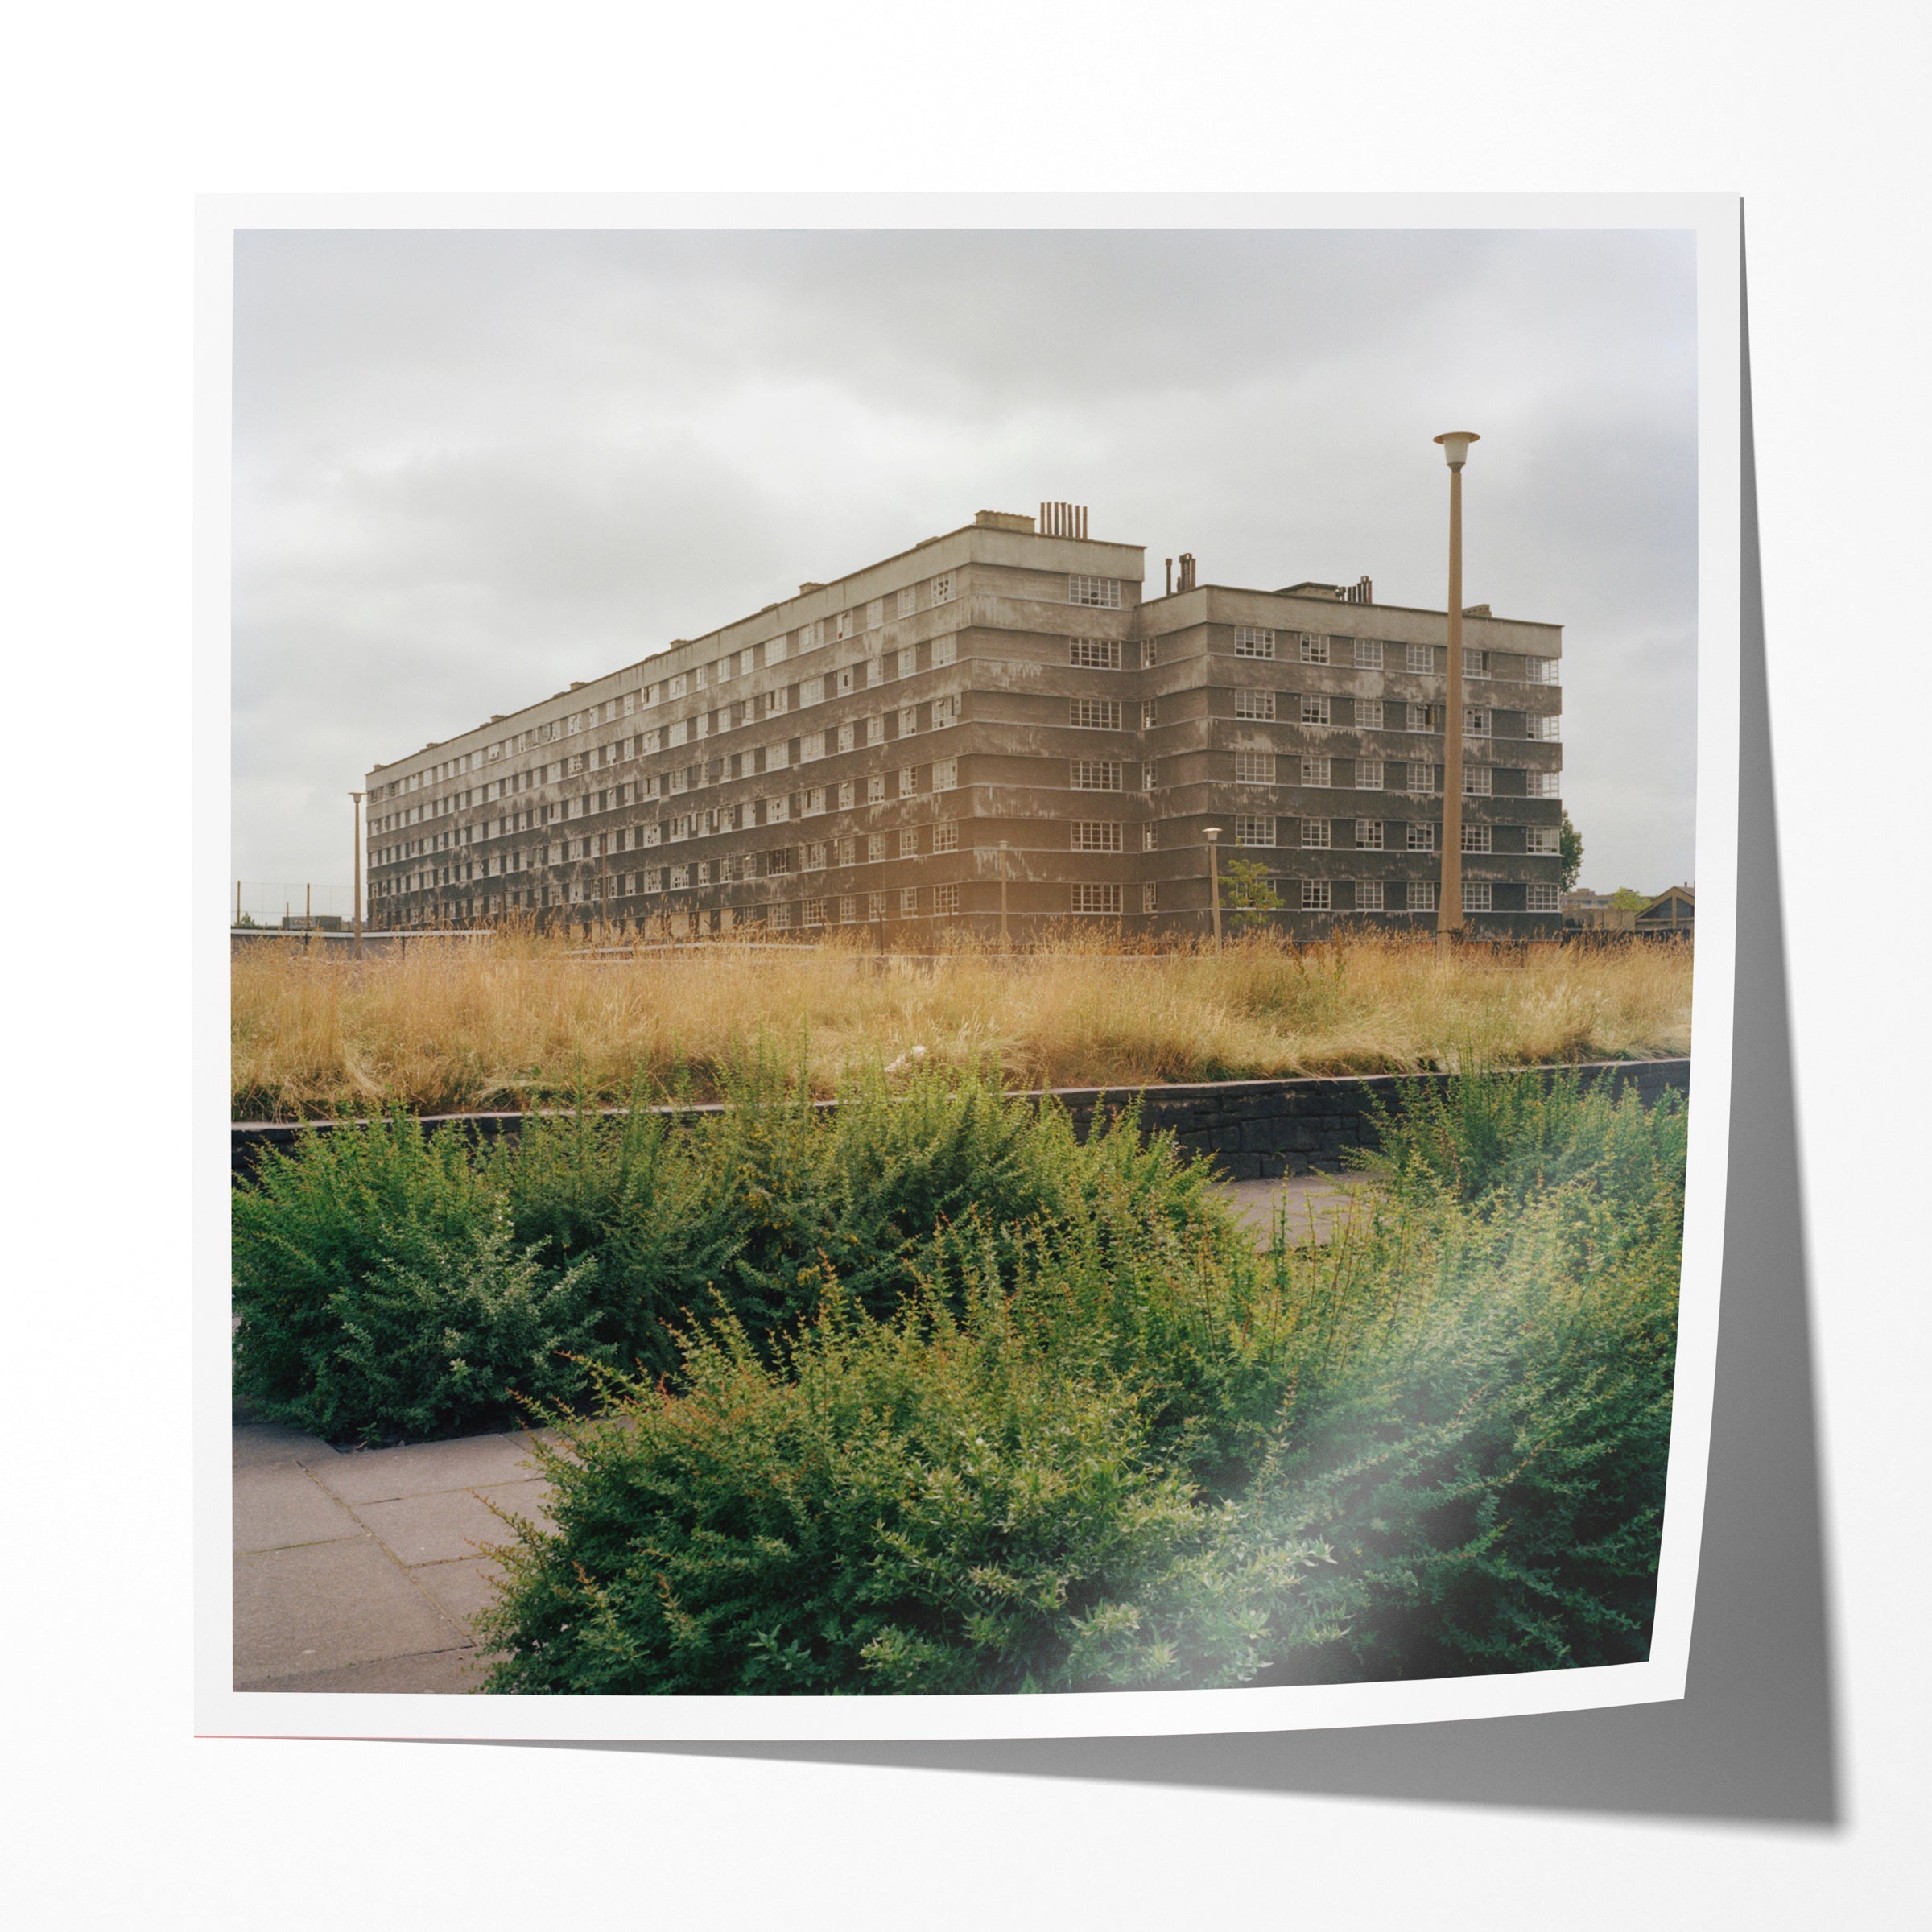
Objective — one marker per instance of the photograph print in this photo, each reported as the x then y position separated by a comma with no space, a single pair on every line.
960,964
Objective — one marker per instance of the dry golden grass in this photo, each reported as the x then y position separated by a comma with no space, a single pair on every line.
517,1021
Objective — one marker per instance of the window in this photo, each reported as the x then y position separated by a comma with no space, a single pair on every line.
680,877
1422,895
1254,768
1476,664
1250,831
1540,898
1094,653
1095,835
1422,657
810,691
1255,704
908,901
1316,771
1420,717
1095,714
1545,730
1475,895
1368,653
781,917
843,626
1316,836
1149,777
1103,899
1368,774
875,731
1369,714
875,848
875,906
1543,784
1368,895
848,909
1476,780
1315,708
1149,714
1421,835
814,857
942,590
1096,593
1368,834
945,900
1151,837
1315,651
1316,895
946,775
875,789
814,912
944,650
1422,778
1150,898
1095,774
777,860
1475,721
908,781
1544,839
1542,670
1249,642
909,720
1477,838
945,834
908,843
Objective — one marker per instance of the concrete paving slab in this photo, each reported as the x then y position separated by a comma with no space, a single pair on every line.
258,1444
448,1672
329,1604
379,1476
1314,1204
279,1505
434,1528
461,1589
530,1501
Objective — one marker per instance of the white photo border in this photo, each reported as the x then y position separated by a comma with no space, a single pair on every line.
220,1711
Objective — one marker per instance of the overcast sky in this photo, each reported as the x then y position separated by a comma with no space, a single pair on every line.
471,467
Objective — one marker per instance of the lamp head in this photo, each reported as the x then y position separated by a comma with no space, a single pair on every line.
1213,831
1455,445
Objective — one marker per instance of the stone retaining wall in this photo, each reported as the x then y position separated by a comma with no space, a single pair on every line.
1250,1129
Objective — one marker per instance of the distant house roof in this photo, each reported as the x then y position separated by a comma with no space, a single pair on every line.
1676,905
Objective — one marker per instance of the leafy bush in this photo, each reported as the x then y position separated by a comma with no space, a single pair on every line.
926,1503
652,1220
1437,1446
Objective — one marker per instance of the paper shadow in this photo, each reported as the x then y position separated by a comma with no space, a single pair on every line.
1755,1737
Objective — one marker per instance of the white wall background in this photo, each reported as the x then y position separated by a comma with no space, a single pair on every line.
116,116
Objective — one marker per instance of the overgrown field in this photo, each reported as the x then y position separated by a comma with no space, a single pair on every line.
445,1028
924,1395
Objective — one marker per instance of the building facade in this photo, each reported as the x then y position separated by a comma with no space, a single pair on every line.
997,726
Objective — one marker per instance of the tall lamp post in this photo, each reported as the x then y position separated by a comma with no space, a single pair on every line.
1005,940
1214,881
356,950
1449,898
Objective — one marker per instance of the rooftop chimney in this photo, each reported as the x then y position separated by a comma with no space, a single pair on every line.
1186,582
1064,520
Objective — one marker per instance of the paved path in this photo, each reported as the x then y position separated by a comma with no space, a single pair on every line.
360,1570
1311,1205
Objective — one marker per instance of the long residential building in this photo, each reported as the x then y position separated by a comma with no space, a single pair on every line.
998,724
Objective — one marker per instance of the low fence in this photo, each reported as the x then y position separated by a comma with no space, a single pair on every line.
1248,1129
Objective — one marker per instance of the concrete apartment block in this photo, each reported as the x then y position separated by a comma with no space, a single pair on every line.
997,718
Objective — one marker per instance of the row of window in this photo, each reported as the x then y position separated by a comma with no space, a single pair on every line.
1374,714
1375,654
1372,774
1372,835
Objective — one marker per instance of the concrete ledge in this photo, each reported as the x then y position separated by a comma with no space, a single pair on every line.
1251,1129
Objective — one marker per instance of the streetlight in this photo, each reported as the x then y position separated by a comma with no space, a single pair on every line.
1214,881
1449,899
1005,944
356,950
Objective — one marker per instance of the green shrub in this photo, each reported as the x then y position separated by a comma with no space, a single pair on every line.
1436,1446
657,1220
925,1504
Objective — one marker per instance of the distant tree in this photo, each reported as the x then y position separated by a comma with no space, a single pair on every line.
1251,893
1627,898
1569,845
247,918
